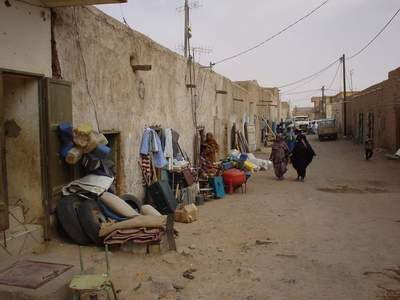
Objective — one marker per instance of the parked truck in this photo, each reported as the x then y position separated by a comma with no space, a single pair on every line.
301,122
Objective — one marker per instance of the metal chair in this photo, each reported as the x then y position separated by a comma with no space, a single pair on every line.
93,286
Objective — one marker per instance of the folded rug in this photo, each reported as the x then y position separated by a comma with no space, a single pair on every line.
136,235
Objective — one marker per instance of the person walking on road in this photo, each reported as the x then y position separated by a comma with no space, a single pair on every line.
369,148
279,157
302,155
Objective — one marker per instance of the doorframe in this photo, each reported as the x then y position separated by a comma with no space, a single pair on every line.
43,141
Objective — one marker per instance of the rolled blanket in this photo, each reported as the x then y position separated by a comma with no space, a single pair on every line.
136,222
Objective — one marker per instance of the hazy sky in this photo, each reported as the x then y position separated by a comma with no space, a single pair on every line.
229,26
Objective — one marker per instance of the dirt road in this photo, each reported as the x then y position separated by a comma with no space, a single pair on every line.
285,239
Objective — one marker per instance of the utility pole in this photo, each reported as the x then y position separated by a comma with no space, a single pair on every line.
344,96
186,32
323,104
185,8
351,80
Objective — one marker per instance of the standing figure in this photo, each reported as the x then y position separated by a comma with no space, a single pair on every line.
290,138
208,153
279,157
369,148
302,155
209,148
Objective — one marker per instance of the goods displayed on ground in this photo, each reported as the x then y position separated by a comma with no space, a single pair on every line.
90,211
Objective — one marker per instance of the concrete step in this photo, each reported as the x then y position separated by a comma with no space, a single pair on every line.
22,241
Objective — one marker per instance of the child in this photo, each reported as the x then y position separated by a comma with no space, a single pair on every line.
369,148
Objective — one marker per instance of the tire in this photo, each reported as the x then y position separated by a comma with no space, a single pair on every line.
90,218
67,213
133,201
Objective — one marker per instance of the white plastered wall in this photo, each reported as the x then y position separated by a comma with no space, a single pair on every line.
25,38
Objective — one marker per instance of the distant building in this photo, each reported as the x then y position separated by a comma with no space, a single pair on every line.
375,112
304,111
285,110
335,109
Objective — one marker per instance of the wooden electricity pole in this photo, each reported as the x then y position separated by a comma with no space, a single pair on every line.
344,96
323,104
186,42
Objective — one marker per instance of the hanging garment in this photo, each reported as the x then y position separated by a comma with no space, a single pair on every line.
146,169
168,150
175,142
151,144
168,147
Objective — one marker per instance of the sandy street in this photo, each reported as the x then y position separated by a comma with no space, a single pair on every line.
321,239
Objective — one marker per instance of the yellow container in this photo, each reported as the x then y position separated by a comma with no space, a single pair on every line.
249,166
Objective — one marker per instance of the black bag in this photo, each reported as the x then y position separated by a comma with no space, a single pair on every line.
163,197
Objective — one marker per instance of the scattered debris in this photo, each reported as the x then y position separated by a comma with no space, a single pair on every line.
390,294
153,288
288,281
244,247
192,247
265,242
249,273
189,274
387,273
185,252
178,286
345,189
286,255
393,274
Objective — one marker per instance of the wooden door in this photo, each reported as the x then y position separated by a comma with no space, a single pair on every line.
57,108
397,111
4,222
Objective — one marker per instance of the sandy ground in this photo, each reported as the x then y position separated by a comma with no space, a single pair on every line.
317,239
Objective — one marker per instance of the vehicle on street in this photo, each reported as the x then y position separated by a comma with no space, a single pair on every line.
301,122
327,129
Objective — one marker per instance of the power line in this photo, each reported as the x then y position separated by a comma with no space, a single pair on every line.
375,37
300,92
301,85
334,77
79,46
311,76
273,36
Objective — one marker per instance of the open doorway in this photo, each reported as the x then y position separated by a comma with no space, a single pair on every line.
22,145
31,171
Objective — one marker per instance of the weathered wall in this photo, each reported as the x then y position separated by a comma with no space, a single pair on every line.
23,144
273,98
240,105
100,49
25,38
285,110
383,100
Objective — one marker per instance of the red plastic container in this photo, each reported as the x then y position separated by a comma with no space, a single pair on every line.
234,178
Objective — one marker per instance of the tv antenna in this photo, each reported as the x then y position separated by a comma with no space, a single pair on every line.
187,30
